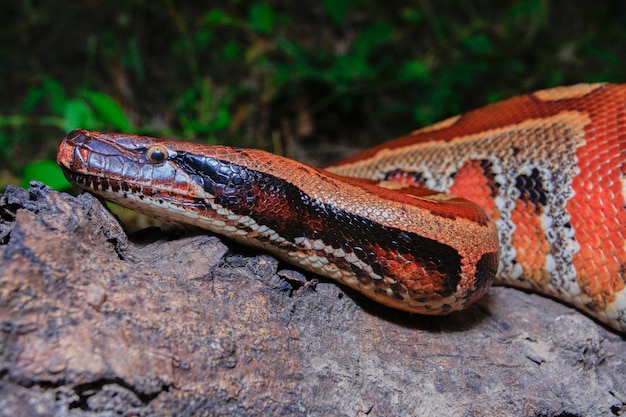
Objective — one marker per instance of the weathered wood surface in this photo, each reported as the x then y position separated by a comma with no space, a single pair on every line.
94,324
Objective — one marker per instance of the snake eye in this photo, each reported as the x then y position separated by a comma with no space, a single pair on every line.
156,154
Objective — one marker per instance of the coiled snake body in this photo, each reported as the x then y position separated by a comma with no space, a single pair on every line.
545,172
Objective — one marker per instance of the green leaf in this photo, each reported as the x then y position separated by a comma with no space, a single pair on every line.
414,71
108,110
47,172
479,43
338,9
412,15
221,120
536,10
262,18
349,68
232,50
219,17
56,95
204,37
372,37
33,96
77,114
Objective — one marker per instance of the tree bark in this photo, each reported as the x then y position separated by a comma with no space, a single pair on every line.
171,323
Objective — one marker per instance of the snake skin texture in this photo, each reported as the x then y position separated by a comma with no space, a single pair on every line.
549,169
545,169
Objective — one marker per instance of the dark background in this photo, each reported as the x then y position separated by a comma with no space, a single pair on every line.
311,80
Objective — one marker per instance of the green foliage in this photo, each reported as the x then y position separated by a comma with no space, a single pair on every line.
106,110
338,9
88,109
262,18
209,110
249,73
45,171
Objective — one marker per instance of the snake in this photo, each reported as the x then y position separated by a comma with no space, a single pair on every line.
527,192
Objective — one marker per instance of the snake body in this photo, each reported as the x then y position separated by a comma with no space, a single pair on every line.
545,172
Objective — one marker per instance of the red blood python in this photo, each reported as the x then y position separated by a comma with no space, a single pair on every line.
545,172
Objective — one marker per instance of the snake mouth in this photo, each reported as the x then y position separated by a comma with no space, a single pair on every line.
76,156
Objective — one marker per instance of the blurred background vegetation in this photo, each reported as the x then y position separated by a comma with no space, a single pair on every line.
311,80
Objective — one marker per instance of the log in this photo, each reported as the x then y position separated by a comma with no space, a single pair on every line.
94,322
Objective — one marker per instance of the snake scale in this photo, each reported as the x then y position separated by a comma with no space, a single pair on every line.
529,192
